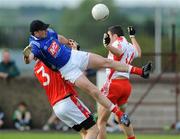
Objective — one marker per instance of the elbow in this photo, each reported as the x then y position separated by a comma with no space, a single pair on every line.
118,54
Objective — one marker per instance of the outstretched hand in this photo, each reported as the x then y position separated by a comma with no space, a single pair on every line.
73,44
131,31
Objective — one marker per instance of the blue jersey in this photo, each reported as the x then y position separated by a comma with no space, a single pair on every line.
49,50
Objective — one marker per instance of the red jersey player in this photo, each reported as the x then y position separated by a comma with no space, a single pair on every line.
64,101
117,87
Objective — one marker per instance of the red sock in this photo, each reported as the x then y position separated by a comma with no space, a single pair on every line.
133,137
136,70
117,111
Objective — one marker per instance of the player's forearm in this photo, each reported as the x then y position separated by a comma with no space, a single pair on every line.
63,40
136,45
114,51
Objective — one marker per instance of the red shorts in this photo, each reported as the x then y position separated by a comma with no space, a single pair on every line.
119,91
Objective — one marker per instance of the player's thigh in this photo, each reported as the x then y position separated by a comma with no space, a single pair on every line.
92,132
83,83
97,61
103,115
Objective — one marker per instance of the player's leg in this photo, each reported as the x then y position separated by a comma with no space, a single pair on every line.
97,61
72,71
103,116
77,116
92,132
122,103
83,133
112,93
83,83
128,131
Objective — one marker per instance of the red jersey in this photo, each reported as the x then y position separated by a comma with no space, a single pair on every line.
56,87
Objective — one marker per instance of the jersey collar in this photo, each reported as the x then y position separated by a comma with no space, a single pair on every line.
35,38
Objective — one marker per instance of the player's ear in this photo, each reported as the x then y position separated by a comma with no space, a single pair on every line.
116,36
36,33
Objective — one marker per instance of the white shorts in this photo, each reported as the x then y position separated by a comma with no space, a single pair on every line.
73,112
76,65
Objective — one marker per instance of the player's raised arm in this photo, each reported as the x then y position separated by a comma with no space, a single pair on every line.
28,55
63,40
69,42
108,45
132,32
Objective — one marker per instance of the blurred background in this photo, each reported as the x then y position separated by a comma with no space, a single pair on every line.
154,104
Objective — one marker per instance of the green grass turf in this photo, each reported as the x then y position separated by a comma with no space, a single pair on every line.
49,135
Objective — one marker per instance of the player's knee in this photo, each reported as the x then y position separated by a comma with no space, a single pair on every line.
101,122
95,130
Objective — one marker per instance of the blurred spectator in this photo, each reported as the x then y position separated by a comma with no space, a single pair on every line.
22,117
54,123
8,68
1,118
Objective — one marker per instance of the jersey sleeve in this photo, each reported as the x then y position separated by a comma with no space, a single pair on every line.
134,50
35,48
119,45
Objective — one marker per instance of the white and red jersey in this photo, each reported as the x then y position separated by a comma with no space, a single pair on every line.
56,87
129,52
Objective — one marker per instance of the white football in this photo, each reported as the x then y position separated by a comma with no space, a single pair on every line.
100,12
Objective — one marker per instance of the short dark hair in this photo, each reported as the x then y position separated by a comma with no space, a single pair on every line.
116,30
37,25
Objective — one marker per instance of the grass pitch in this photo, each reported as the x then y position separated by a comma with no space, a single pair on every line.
52,135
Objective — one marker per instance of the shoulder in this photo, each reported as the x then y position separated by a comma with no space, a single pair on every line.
33,41
50,30
118,44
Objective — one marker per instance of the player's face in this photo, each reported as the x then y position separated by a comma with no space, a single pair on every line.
40,33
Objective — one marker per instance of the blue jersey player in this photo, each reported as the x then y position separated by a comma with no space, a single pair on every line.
56,52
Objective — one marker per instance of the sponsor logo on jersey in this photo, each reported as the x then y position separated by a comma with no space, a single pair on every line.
54,49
